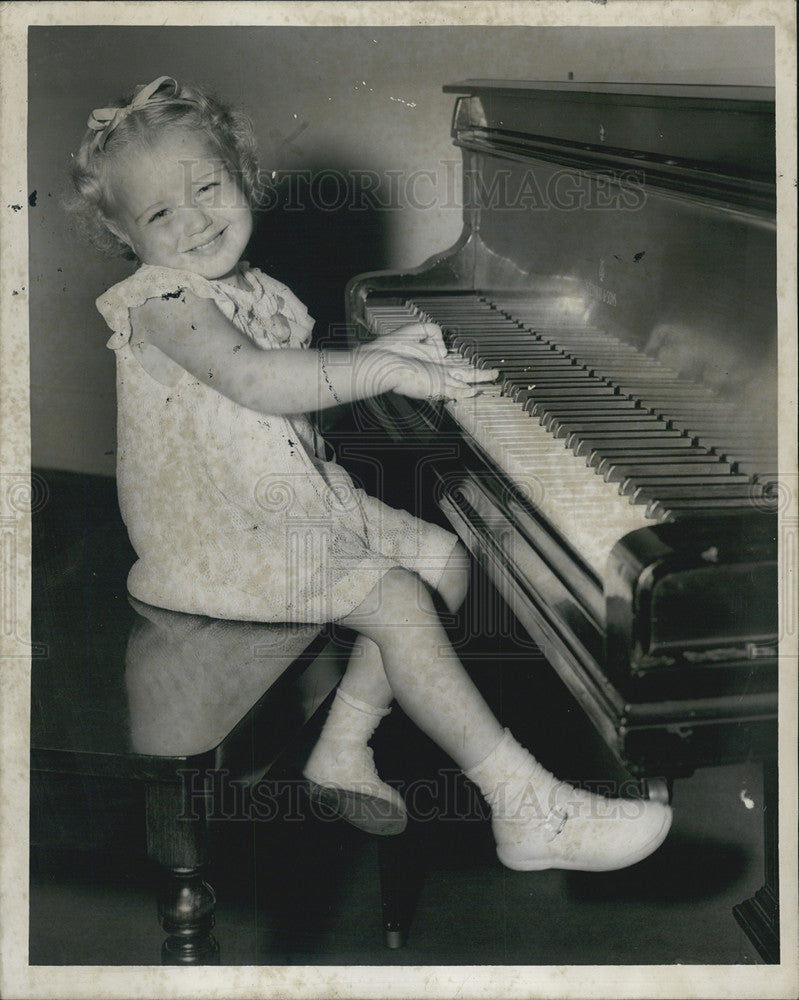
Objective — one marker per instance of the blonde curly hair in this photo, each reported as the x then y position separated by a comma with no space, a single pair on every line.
229,129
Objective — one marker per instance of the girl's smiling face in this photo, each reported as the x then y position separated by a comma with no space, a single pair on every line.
176,205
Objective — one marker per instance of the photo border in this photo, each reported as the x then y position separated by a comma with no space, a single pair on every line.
17,978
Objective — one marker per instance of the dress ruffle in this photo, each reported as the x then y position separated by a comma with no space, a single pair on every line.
272,315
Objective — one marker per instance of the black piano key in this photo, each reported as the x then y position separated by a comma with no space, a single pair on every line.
683,417
518,351
560,425
659,436
483,331
661,510
494,359
554,365
633,417
548,413
485,341
522,356
615,472
572,431
598,407
657,486
588,392
601,358
675,395
524,373
686,476
757,467
517,348
652,377
745,454
611,355
741,491
606,458
624,423
724,430
678,400
575,408
722,447
576,397
658,451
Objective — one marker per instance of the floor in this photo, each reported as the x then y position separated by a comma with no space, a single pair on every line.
303,889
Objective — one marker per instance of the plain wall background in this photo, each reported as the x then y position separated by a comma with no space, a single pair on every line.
322,99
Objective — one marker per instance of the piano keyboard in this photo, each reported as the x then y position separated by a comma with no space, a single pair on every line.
600,438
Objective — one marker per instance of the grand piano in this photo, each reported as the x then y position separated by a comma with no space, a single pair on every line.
618,483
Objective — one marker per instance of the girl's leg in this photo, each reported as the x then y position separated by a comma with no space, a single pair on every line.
365,678
423,670
341,768
539,822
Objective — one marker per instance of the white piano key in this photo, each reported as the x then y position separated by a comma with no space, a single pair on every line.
565,487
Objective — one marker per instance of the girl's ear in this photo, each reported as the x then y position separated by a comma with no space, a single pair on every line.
118,231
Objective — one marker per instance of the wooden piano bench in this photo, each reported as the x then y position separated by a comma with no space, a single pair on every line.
126,693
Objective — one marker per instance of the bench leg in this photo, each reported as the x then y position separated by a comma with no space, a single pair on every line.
186,908
177,840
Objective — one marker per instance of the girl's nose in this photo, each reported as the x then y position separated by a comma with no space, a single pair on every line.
197,220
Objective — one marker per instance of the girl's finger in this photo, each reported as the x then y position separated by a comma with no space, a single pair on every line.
474,374
461,392
431,329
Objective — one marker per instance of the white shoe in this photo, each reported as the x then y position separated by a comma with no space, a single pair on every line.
577,830
540,822
342,777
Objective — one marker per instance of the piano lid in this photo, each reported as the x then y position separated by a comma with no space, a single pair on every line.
715,131
650,92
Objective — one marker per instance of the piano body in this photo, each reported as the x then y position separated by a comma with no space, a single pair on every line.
617,265
618,483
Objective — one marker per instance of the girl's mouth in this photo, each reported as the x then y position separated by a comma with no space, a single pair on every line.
208,243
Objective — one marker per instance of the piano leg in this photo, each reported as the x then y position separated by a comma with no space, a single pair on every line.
760,916
394,860
658,789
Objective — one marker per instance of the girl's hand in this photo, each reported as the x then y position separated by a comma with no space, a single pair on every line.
442,379
416,340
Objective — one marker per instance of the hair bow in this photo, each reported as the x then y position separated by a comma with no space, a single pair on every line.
105,120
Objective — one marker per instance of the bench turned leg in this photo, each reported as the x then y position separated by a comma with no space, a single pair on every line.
177,840
186,908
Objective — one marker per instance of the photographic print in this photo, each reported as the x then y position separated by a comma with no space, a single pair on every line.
399,500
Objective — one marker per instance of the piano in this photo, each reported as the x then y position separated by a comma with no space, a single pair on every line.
618,483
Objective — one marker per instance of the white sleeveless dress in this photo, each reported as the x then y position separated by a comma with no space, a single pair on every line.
235,513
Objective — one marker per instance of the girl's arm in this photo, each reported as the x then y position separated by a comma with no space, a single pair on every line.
194,333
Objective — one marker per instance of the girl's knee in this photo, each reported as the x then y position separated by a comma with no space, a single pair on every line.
399,598
404,594
454,581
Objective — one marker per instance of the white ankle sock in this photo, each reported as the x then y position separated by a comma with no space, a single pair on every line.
342,773
513,783
351,720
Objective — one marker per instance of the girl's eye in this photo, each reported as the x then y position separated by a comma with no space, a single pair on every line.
207,187
157,215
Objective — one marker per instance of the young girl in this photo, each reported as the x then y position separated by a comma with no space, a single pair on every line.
236,510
